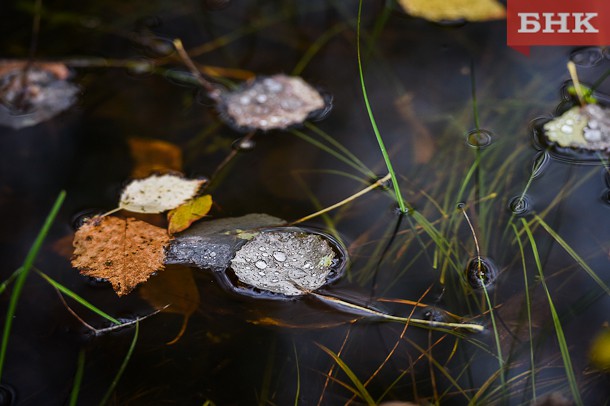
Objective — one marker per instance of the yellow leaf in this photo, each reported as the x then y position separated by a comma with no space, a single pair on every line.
452,10
154,156
183,216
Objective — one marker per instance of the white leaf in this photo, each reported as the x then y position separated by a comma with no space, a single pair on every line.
157,194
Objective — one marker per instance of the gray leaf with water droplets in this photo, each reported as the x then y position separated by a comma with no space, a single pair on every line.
291,263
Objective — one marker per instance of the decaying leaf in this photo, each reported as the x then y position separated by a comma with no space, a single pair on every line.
271,102
183,216
123,251
585,127
174,287
157,194
454,10
290,263
33,94
154,157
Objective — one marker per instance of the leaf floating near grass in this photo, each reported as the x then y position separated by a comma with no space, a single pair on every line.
454,10
123,251
290,263
270,103
157,194
31,94
585,127
183,216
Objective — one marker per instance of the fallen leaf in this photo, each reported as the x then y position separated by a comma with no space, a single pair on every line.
154,156
157,194
174,287
183,216
452,10
123,251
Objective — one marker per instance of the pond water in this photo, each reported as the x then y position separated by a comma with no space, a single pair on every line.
243,350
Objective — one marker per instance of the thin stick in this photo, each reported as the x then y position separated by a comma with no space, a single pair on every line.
574,76
474,235
213,90
344,201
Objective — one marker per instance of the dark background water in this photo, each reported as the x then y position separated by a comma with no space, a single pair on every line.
224,357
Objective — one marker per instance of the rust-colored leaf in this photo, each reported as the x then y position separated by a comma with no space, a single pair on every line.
183,216
154,157
173,291
124,251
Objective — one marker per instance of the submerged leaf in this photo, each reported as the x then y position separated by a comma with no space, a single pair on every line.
599,354
157,194
124,251
174,287
454,10
32,94
183,216
154,156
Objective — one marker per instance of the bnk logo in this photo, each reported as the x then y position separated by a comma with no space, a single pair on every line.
557,22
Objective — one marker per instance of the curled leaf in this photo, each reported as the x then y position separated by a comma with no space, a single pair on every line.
157,194
183,216
123,251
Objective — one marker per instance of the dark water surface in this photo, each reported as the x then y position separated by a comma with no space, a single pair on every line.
243,351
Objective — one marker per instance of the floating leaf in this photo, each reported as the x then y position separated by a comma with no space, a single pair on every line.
157,194
183,216
174,287
124,251
154,157
290,263
454,10
33,94
585,127
271,102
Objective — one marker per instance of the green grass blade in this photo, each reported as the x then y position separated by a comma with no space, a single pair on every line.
78,378
573,254
563,346
384,152
10,280
77,298
529,313
23,274
117,377
362,391
496,335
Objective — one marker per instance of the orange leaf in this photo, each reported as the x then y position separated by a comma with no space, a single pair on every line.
124,251
183,216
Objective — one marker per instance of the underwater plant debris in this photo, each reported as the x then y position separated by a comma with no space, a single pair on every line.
271,102
29,96
290,263
123,251
585,127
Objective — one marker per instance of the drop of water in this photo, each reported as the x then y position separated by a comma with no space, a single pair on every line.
244,144
261,264
279,256
261,273
568,129
212,254
479,138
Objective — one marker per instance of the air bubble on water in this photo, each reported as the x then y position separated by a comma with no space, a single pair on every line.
261,264
479,138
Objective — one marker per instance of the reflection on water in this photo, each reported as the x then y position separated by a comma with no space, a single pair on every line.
240,350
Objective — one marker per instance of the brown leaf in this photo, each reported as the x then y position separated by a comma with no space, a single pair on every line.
154,156
124,251
183,216
174,287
